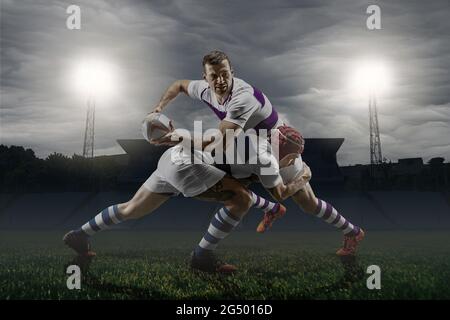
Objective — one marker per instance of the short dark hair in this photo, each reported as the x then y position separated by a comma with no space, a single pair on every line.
215,57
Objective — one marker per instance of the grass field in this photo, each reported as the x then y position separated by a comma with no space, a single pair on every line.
276,265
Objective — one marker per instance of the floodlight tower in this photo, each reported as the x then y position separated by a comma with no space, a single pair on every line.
375,142
94,79
88,146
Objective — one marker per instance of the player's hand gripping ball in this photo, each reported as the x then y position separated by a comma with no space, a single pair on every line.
155,126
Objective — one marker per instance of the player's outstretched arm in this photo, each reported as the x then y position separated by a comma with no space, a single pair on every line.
229,131
174,137
171,93
282,192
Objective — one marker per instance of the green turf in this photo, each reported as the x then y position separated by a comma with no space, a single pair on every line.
275,265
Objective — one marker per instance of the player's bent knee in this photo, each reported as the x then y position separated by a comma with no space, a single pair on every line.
242,200
246,197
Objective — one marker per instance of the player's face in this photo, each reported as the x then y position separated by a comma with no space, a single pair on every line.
219,77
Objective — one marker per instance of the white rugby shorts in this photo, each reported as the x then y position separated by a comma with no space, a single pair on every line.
175,177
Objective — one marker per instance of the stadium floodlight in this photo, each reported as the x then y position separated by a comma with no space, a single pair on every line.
94,77
370,77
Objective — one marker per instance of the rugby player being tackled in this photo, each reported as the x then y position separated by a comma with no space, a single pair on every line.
240,106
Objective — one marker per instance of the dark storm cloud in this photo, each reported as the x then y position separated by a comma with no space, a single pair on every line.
300,53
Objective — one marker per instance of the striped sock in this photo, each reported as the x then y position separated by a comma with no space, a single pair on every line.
102,221
326,212
221,225
264,204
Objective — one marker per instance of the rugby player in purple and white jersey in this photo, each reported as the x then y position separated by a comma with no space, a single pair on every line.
240,106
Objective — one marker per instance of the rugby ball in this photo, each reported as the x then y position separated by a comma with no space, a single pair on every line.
156,126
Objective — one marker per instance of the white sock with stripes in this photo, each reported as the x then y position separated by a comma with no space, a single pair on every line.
221,225
330,215
102,221
264,204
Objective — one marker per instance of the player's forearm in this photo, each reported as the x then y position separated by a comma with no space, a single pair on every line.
228,131
197,143
170,94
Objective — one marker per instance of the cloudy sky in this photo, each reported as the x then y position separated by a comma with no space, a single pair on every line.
302,54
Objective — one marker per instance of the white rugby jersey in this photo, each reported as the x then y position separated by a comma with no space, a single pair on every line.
254,156
265,165
257,157
245,106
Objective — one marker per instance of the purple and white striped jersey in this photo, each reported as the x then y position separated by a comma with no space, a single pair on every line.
246,106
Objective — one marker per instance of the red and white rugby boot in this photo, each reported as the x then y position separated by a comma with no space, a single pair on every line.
270,216
350,244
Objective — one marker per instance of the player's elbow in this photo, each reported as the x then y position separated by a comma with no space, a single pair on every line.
240,203
245,199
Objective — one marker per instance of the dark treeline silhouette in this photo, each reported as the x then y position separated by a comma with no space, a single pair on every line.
22,171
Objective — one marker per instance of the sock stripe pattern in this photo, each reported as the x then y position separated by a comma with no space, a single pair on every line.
105,219
218,228
224,215
276,207
335,221
221,225
326,212
264,204
116,218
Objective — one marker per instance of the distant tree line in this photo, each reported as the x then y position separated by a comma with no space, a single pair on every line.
22,171
433,176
